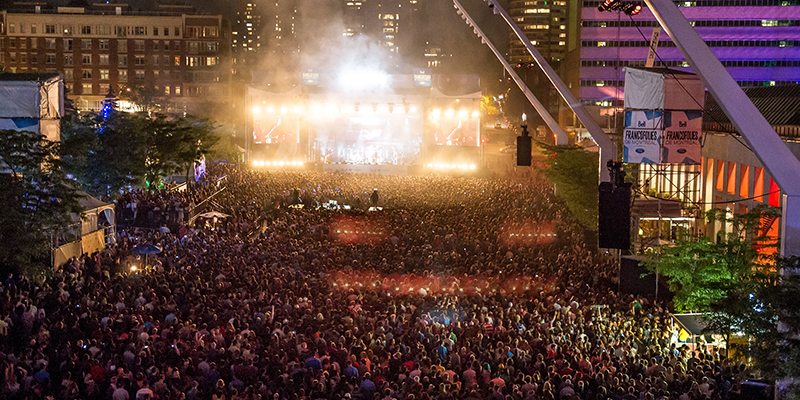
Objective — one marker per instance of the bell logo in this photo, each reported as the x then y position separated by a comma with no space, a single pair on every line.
682,124
641,124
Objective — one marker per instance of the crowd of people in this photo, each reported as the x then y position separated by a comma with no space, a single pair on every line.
435,288
168,206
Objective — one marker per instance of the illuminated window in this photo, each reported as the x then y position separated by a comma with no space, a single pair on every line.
758,184
774,193
731,177
744,182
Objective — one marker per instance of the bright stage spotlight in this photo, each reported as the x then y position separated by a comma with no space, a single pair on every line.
436,113
413,109
462,113
267,163
284,110
476,114
297,109
270,109
449,113
330,109
361,79
256,110
472,166
316,108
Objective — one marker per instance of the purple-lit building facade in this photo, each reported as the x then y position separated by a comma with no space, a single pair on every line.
757,40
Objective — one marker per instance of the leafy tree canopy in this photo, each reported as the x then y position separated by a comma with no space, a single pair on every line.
574,172
37,200
700,271
127,149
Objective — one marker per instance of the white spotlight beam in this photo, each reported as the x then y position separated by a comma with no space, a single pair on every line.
561,137
608,151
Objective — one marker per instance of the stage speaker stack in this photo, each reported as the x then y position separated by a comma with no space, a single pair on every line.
614,224
524,148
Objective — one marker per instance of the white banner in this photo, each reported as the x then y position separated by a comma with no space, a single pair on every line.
642,137
682,134
644,90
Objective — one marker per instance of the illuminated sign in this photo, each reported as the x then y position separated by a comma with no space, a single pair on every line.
422,77
310,78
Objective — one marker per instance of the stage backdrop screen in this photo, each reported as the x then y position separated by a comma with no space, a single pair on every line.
277,135
457,131
369,137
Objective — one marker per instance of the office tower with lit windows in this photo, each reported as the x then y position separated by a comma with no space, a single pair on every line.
396,25
246,36
265,37
355,17
544,23
281,29
757,40
548,25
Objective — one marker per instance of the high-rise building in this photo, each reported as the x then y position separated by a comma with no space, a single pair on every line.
173,58
246,37
757,40
281,29
355,16
396,25
544,23
265,36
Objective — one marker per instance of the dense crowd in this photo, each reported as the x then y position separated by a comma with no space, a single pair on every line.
167,206
435,288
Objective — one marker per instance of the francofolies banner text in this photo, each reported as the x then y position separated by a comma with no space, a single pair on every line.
682,134
642,137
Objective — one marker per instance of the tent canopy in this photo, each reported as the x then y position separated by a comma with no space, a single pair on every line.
92,204
694,323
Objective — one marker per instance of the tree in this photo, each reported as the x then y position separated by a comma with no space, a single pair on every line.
574,172
741,287
131,149
225,149
488,105
701,271
173,145
37,200
763,305
145,97
104,155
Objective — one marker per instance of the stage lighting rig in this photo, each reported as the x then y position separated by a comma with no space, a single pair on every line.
627,7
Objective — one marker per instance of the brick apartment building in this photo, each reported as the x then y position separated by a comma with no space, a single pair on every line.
173,57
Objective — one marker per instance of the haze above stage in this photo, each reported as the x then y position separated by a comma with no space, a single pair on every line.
380,120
